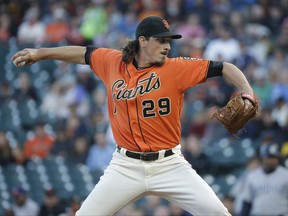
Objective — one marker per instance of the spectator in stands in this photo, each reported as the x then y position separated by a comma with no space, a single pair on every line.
51,100
100,153
74,96
52,204
176,211
213,132
62,144
224,48
236,191
57,30
94,32
276,16
74,36
263,124
198,123
85,78
193,34
24,89
193,48
265,191
284,153
69,94
150,203
280,113
262,86
99,115
9,212
245,59
99,98
31,30
62,71
130,210
78,152
19,156
109,135
23,205
73,206
5,92
5,32
150,7
99,120
277,63
282,38
280,87
75,127
194,154
40,144
261,46
191,29
6,153
123,23
228,202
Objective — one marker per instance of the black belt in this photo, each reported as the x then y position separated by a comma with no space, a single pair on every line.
145,156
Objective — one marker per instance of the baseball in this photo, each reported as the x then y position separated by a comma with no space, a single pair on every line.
21,64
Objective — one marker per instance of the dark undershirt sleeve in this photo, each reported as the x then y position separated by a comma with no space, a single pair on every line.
89,50
215,69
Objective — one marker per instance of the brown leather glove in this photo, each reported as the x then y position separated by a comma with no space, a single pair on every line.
237,112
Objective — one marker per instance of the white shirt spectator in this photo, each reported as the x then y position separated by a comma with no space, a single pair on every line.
32,30
280,113
223,48
30,208
100,153
23,205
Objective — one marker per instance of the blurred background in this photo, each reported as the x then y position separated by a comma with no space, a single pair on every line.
55,138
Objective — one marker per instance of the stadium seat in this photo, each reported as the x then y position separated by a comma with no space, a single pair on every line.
11,176
79,179
9,116
222,184
28,113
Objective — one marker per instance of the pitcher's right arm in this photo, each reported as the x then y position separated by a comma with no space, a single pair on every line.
71,54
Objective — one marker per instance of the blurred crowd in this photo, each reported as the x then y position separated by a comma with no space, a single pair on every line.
67,114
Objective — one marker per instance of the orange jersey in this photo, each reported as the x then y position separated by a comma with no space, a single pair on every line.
38,146
145,105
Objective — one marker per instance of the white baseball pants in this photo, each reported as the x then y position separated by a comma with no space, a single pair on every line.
126,180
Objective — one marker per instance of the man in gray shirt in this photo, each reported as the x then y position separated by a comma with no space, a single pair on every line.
266,190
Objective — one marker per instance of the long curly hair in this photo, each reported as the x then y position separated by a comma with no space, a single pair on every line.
130,51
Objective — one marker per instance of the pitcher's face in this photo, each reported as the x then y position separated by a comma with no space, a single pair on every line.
155,50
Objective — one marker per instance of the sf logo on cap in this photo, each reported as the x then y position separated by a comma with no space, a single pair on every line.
166,24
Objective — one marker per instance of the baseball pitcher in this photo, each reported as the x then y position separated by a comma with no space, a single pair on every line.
145,91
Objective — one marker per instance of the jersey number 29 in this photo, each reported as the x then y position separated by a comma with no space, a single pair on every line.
150,110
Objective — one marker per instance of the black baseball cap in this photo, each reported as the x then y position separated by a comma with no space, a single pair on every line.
155,26
269,150
19,191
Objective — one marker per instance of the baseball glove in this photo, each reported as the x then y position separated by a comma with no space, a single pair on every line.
237,113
